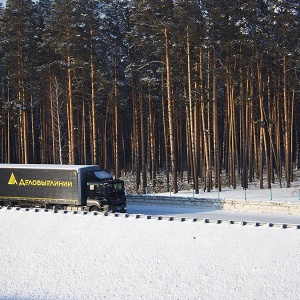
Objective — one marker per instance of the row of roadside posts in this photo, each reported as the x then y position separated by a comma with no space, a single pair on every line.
245,194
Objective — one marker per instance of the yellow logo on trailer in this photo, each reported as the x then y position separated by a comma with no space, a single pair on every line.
37,182
12,180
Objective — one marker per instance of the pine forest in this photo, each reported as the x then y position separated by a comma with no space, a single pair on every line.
207,88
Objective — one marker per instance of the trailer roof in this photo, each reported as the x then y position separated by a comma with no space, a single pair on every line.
46,166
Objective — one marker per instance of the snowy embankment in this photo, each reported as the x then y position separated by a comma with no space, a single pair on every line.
275,200
47,255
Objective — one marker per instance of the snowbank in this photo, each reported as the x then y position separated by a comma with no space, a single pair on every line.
275,200
47,255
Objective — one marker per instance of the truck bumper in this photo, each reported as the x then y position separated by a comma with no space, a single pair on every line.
118,208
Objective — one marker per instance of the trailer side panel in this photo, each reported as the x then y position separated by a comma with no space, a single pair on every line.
44,184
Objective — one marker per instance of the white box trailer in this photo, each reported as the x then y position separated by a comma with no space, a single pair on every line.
64,186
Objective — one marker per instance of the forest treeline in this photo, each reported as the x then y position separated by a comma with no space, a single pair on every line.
206,87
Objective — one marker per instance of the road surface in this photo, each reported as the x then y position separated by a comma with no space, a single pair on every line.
167,211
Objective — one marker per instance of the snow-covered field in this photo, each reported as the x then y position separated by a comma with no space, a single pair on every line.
47,255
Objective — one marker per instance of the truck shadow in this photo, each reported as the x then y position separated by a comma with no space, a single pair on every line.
160,210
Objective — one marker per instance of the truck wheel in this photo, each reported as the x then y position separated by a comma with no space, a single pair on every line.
8,204
94,208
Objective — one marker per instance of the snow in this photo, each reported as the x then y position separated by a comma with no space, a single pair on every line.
48,255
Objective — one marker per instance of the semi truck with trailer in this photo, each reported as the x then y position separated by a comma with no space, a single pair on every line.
71,187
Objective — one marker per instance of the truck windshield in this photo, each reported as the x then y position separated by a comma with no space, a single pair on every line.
103,175
108,188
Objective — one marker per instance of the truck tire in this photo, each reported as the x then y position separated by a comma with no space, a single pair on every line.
94,208
8,204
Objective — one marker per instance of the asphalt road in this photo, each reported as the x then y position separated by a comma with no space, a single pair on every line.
178,212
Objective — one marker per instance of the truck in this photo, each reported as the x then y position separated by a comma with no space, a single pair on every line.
70,187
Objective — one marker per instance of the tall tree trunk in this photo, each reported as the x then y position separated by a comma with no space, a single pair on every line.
8,138
21,96
152,143
231,130
34,155
135,134
292,114
143,142
243,117
287,126
166,139
216,122
70,110
270,130
116,118
261,124
192,127
52,83
170,115
278,133
205,125
252,149
93,100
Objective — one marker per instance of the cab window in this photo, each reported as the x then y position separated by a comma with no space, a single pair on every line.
118,187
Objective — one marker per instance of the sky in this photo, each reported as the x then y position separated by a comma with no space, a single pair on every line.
47,255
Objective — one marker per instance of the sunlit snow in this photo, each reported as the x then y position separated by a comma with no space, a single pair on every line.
48,255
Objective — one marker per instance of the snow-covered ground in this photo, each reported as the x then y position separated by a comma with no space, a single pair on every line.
47,255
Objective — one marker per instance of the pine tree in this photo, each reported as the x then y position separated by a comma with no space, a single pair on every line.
115,21
152,23
17,28
65,35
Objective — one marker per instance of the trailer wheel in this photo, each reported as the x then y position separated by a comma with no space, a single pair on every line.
94,208
8,204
